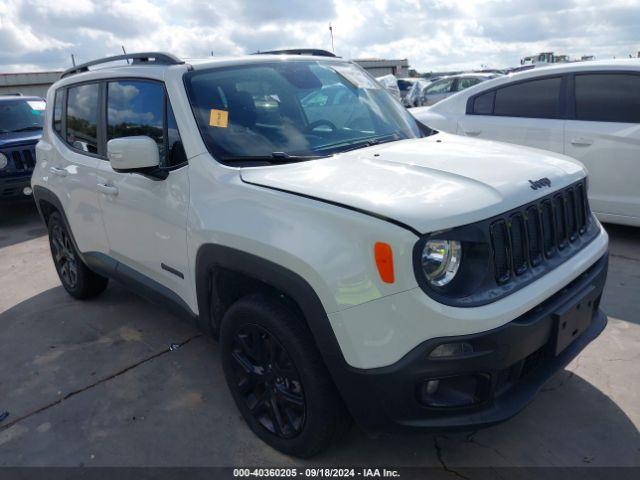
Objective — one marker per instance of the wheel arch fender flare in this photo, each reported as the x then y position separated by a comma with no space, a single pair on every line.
211,257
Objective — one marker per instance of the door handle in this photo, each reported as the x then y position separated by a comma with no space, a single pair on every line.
60,172
472,133
584,142
107,189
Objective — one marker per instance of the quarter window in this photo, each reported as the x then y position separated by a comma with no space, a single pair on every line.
608,97
82,117
57,112
534,99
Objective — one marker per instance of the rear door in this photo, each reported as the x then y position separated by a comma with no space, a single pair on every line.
145,217
527,113
604,134
72,160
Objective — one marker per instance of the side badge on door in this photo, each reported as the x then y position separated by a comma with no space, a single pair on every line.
542,182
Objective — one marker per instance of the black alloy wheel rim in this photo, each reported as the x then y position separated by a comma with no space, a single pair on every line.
268,381
64,256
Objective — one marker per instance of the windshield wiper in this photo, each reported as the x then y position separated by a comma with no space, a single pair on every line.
275,158
367,142
27,129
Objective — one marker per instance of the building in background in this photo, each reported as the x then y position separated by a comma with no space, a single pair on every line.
36,83
379,67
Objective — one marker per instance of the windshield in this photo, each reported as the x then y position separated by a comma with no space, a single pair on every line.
293,110
21,115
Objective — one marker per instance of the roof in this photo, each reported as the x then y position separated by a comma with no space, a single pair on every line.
19,97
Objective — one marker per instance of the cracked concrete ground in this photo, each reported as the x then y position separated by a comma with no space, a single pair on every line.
96,383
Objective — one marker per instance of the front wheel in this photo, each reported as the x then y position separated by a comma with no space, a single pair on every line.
278,379
75,276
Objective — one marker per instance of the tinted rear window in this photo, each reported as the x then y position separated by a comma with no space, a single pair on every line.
608,97
82,117
534,99
483,104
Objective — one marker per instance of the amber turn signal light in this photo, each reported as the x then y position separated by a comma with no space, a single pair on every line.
384,261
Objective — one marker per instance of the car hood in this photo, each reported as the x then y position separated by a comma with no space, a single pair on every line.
17,138
428,184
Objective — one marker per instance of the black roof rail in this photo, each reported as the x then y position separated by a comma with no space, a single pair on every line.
299,51
12,94
157,58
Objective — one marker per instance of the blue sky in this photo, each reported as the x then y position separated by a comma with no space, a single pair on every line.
432,34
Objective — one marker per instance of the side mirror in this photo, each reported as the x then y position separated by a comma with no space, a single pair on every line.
135,154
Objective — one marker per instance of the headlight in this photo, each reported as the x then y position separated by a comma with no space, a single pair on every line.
441,261
3,161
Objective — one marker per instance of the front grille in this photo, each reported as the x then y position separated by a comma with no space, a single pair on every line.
21,160
537,232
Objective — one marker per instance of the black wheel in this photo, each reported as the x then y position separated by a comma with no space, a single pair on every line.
278,379
75,276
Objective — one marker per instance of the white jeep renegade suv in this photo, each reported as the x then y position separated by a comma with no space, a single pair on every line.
351,264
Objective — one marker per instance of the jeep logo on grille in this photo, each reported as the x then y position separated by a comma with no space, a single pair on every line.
542,182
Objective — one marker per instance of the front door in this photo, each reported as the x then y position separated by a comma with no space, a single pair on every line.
146,218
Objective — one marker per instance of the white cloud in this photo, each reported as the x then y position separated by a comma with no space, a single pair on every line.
432,34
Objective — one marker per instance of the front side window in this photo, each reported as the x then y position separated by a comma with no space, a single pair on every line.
82,117
138,107
441,86
466,83
21,115
533,99
608,97
292,109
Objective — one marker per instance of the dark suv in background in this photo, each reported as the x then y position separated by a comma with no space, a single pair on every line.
21,120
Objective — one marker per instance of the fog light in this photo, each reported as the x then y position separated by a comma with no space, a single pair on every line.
456,349
27,190
454,392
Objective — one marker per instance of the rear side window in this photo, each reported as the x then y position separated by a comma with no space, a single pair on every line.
82,117
608,97
57,112
534,99
483,104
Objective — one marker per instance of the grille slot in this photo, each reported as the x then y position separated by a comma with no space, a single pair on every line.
572,226
548,229
518,244
581,209
533,236
538,231
501,251
560,215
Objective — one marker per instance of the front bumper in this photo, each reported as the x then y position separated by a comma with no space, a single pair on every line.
12,188
511,363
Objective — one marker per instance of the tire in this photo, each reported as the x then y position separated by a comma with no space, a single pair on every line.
75,276
274,371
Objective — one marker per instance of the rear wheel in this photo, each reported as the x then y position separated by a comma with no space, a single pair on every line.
75,276
278,379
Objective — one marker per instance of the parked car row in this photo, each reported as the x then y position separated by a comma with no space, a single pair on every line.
589,111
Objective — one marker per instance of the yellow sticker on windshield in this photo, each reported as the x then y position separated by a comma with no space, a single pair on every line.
219,118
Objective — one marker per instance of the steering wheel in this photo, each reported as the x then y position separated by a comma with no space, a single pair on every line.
319,123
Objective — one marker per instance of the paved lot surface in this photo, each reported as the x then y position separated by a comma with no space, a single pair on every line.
95,383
